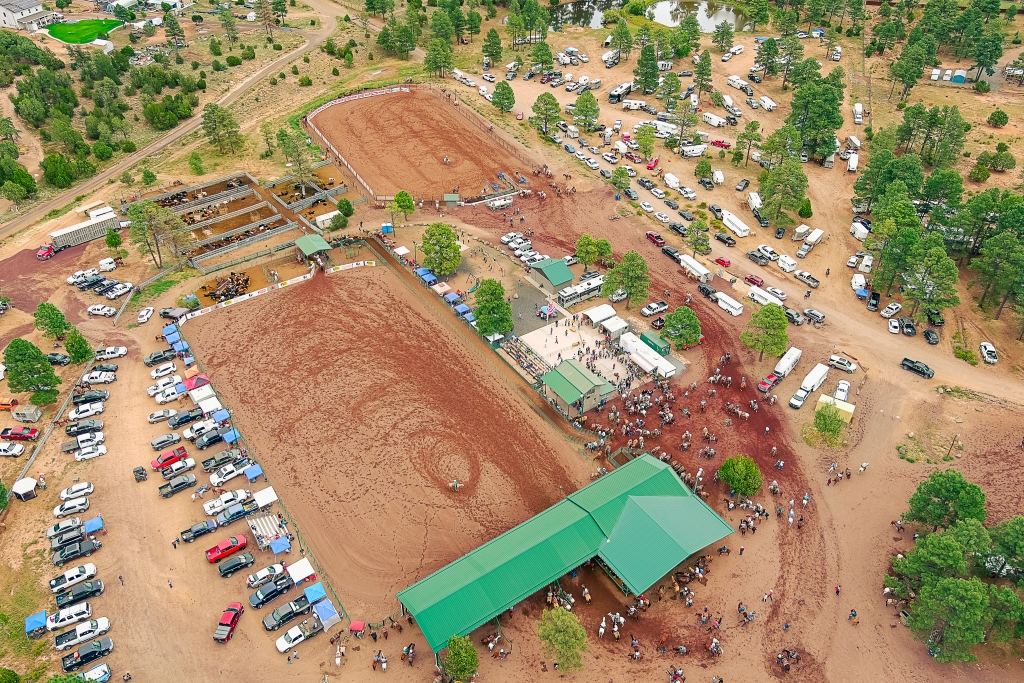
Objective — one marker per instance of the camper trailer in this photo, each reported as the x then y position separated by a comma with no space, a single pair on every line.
695,269
858,231
767,103
732,222
754,201
788,362
694,150
762,297
801,232
851,163
858,113
712,120
671,181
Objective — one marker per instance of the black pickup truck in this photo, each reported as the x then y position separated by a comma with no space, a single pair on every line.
83,591
237,512
286,612
198,529
177,485
75,551
87,653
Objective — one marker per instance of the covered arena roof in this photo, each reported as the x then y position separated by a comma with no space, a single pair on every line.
640,519
311,244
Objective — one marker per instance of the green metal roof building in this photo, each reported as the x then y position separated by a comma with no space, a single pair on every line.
554,272
571,381
640,519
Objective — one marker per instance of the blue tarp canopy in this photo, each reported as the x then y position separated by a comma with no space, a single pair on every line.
253,472
180,388
862,292
221,416
469,317
279,545
189,360
93,525
169,329
180,346
232,436
35,622
429,279
462,309
451,297
315,592
173,337
422,272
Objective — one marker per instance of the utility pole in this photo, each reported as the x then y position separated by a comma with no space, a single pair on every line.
952,444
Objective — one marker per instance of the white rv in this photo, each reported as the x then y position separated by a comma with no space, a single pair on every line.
712,120
788,362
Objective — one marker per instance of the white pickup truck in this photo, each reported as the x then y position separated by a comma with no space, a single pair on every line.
228,472
226,500
180,467
198,429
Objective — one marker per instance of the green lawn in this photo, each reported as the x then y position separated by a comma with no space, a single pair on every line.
84,31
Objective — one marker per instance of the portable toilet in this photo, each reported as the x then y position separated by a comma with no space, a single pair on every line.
654,340
936,73
947,74
959,76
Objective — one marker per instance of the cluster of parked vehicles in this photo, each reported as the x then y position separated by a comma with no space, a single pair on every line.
101,285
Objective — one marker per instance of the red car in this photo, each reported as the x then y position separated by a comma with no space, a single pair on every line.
19,434
656,238
722,261
226,547
754,280
168,458
721,143
652,164
768,383
635,158
228,622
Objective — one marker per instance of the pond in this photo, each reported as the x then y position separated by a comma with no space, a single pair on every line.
590,13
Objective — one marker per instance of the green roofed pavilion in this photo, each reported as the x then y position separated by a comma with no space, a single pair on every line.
640,519
554,272
312,244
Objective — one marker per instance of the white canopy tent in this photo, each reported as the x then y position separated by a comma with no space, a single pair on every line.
301,570
25,489
203,392
265,497
599,314
210,405
615,326
400,251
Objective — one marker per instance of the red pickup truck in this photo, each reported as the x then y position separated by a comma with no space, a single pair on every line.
19,434
168,458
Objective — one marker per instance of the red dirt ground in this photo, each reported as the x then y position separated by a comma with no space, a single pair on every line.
399,141
29,281
409,409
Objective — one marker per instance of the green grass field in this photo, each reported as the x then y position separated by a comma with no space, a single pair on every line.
84,31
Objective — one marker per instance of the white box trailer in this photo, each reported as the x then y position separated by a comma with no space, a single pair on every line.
737,82
815,236
754,201
859,232
694,150
767,103
102,211
788,362
572,132
858,282
664,65
633,105
323,221
712,120
762,297
717,177
858,113
787,263
801,232
620,147
853,141
728,304
671,181
851,163
728,100
866,264
815,378
80,233
694,102
695,269
733,223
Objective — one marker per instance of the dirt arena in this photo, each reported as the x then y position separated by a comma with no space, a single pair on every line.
362,408
399,142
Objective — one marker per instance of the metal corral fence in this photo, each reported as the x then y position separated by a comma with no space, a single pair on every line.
198,260
303,546
244,259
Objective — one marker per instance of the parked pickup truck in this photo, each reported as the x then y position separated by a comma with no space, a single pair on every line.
177,485
83,427
82,633
75,551
180,467
228,472
83,441
198,529
286,612
168,458
67,538
80,593
195,431
225,500
296,634
237,512
72,577
806,278
19,434
87,654
223,458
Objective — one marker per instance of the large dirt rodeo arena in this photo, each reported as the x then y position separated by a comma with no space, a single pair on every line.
400,140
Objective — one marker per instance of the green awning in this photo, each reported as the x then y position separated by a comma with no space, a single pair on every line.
311,244
559,384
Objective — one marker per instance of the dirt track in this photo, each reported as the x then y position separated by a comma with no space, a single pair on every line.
399,142
362,426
